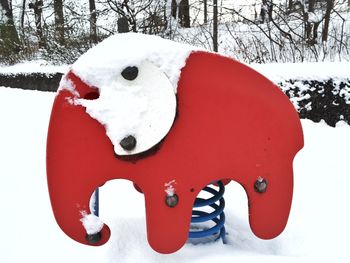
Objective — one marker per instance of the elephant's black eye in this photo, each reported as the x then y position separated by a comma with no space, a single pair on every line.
130,73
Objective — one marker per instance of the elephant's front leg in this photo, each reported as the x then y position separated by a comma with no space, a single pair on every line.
168,218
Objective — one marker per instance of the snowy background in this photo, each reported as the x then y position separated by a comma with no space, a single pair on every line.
318,228
298,31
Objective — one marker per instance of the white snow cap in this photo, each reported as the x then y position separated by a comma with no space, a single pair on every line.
91,223
170,188
143,107
100,65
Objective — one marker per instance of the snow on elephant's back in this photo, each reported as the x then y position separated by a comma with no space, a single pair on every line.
136,76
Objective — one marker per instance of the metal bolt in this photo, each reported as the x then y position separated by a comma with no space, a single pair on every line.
172,200
130,73
260,185
93,238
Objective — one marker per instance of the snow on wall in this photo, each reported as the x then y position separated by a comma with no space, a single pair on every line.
34,75
319,91
279,72
37,66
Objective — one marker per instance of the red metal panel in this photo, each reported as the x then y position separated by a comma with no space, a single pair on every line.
232,123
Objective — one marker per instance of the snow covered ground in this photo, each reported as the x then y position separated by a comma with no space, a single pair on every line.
318,229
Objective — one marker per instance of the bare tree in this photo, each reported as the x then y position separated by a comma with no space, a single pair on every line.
215,25
147,16
9,40
174,8
59,21
93,21
23,13
329,8
180,10
308,24
37,6
311,25
270,9
184,13
130,10
205,11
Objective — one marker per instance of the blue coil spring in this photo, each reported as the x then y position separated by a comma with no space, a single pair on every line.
217,216
96,204
198,216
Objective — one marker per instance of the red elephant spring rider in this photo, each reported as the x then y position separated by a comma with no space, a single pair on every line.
173,120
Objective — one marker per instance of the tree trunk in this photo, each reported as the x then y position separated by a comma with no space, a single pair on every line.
123,25
329,8
8,34
180,10
23,13
270,9
184,14
315,31
311,7
59,21
173,8
215,25
308,25
205,2
93,21
37,6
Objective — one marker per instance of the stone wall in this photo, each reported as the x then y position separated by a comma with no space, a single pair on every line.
31,81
